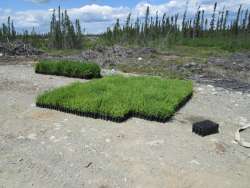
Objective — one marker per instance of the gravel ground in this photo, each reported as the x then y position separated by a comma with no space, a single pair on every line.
46,148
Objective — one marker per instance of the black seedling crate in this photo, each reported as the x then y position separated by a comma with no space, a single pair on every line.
205,128
101,116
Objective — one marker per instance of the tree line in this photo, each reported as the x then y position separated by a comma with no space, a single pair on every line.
8,31
150,28
222,27
63,34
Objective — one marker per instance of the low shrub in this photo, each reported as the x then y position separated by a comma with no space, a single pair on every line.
68,68
117,98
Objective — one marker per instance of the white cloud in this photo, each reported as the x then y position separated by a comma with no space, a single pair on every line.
97,13
39,1
95,18
178,6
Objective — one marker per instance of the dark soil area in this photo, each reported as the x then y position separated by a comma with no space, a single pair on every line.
232,72
228,71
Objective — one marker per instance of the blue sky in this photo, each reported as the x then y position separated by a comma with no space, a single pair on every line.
46,4
97,15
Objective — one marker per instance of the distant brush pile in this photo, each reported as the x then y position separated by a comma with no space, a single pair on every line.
18,48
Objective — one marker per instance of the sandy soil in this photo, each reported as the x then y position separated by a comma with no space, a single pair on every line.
45,148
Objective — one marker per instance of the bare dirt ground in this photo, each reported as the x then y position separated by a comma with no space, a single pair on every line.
46,148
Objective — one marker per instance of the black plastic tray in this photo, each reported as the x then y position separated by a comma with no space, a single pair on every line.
205,128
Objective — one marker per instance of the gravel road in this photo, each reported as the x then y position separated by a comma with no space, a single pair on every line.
46,148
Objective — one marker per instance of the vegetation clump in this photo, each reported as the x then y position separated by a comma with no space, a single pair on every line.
117,98
69,68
